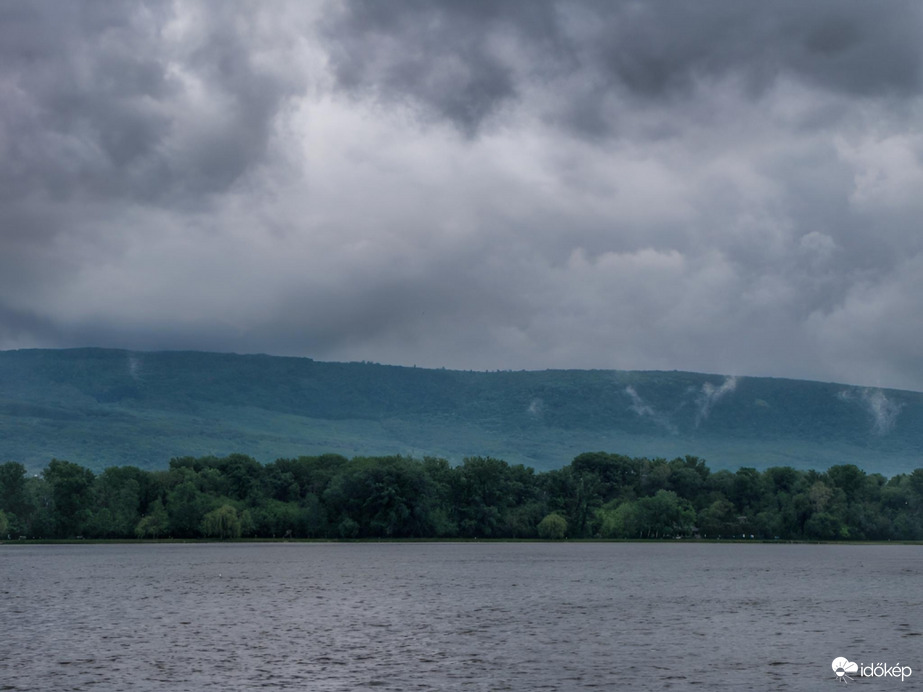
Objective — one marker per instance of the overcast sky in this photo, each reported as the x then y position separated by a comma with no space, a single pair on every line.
731,187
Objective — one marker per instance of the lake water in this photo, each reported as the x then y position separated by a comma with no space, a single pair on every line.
466,616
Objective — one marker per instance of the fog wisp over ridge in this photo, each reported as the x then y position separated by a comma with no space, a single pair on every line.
882,411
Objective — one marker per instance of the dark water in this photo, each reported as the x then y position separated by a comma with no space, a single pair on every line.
520,616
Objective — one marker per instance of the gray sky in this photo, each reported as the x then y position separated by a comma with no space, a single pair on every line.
728,187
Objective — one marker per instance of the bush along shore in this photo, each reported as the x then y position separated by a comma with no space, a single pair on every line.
597,495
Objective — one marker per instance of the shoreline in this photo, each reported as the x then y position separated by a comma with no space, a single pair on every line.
343,541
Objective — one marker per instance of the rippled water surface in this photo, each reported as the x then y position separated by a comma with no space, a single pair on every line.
469,616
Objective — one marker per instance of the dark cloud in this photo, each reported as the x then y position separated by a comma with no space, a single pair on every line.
18,324
74,114
108,106
464,61
717,186
657,48
446,56
110,100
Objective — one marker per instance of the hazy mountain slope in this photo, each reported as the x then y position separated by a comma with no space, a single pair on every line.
103,407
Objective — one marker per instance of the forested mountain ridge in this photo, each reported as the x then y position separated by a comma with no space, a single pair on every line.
101,407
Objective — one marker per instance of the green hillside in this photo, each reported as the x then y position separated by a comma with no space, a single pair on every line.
102,407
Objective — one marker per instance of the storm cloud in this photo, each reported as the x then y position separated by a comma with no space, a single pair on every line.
719,186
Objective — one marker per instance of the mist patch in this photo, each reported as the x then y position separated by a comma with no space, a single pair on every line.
710,395
882,410
645,410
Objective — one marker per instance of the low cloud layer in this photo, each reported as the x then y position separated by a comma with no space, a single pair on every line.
709,186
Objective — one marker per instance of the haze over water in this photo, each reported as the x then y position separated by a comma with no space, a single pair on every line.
444,616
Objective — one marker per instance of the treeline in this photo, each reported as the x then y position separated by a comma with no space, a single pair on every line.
329,496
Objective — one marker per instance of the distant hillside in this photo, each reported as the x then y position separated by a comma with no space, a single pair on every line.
106,407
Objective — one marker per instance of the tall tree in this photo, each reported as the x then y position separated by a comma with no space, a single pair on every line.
71,486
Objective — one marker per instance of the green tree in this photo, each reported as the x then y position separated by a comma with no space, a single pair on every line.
442,514
577,495
825,526
4,525
71,487
117,492
821,495
665,514
654,475
348,528
153,524
718,520
387,497
186,507
688,476
552,527
279,485
13,497
747,491
41,521
275,519
224,522
485,491
313,474
244,475
850,479
621,520
618,475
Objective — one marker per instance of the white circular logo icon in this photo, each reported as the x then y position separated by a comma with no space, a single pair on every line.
842,667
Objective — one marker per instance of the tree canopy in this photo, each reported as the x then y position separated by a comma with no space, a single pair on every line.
597,495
